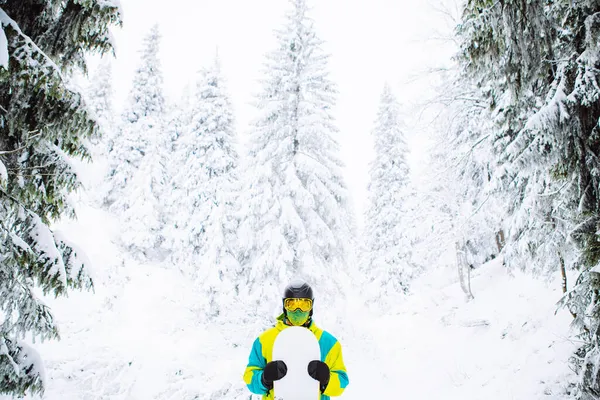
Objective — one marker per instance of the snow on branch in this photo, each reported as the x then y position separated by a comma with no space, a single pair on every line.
21,363
3,48
20,243
3,175
77,264
45,246
5,20
551,114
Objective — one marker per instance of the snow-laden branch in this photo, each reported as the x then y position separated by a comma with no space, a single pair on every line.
5,20
22,147
3,174
3,48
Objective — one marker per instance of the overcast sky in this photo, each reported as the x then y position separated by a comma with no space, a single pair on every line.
370,42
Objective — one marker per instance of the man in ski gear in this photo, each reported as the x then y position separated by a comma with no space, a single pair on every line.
330,370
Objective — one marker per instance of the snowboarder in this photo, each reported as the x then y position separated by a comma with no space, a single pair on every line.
330,371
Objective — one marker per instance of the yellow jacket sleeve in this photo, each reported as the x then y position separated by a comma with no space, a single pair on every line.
339,376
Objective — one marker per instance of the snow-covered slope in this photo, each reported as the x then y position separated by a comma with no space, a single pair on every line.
141,336
507,343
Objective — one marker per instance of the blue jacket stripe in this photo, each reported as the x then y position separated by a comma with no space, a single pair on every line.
326,343
343,379
257,360
256,386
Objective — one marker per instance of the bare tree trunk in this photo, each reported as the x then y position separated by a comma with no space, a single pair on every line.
563,273
500,240
464,271
469,293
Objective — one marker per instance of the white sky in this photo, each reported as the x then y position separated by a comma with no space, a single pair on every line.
370,41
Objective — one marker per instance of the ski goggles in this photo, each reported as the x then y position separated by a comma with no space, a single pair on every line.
292,304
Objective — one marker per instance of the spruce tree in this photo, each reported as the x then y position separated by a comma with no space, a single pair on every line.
140,121
507,62
456,209
146,199
207,192
178,119
99,99
139,172
43,122
537,63
387,258
296,212
146,98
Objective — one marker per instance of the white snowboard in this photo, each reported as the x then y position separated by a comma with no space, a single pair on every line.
296,346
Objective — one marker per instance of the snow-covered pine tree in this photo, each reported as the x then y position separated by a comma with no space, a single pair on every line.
146,98
139,157
207,192
99,99
141,121
509,68
42,123
387,257
454,209
538,62
296,213
146,199
188,177
178,119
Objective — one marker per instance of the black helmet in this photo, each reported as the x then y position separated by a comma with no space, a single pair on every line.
298,289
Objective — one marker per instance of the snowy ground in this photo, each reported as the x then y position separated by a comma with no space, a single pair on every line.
140,337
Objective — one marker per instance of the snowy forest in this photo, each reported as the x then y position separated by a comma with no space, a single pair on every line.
145,244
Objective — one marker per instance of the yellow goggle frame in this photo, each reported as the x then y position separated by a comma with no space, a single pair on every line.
293,304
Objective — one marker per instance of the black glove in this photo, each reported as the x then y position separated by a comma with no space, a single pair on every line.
319,371
273,371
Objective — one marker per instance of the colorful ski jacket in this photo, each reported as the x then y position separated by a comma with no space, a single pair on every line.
262,351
